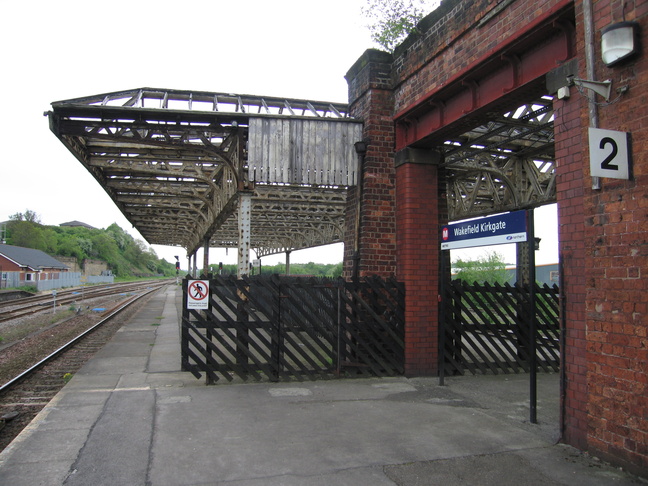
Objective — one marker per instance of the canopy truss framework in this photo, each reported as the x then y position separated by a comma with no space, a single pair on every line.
175,162
503,165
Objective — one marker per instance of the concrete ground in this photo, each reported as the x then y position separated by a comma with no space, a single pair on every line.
131,417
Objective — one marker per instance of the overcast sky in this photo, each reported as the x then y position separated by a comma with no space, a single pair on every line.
58,50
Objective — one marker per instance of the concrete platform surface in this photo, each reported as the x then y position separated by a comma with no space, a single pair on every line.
131,417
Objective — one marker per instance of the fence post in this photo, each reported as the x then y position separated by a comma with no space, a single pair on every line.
209,333
276,338
533,385
184,330
338,347
243,331
442,320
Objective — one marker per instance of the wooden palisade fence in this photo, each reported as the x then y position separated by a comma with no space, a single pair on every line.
295,328
486,328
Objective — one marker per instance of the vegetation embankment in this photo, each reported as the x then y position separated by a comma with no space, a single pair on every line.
125,256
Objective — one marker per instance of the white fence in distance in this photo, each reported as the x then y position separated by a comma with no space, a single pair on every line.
66,279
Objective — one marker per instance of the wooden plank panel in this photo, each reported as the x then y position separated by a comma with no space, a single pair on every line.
303,151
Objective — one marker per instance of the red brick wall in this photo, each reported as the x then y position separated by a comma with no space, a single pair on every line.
468,33
9,266
616,262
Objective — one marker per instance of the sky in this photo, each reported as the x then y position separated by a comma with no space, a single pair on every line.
54,51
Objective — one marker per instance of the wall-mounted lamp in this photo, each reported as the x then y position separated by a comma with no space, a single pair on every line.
619,41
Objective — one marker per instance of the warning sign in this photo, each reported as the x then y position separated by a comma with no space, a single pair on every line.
198,294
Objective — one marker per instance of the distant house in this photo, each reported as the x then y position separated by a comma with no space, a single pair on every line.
31,265
77,223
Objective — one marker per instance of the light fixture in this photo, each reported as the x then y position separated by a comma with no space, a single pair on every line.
618,42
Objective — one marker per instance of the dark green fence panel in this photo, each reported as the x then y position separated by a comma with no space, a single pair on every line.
486,328
295,328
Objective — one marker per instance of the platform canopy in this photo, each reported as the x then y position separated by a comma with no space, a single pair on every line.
176,162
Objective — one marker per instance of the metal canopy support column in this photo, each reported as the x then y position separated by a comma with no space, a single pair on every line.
244,225
206,257
288,262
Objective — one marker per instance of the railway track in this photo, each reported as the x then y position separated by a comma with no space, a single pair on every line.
30,305
45,371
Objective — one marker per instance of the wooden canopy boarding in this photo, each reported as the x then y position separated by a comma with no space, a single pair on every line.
194,169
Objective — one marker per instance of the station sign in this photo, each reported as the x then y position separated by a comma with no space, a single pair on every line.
198,294
493,230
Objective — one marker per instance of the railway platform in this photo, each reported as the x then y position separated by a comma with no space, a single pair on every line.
132,417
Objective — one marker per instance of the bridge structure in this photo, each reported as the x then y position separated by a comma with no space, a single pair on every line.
193,169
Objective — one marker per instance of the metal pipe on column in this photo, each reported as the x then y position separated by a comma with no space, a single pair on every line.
361,150
588,23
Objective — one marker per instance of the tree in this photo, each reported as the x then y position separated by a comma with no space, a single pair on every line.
489,268
29,216
391,21
23,233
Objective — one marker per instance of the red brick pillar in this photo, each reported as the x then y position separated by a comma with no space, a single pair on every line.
371,99
418,212
569,188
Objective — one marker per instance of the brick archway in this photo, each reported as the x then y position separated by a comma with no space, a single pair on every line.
410,110
468,61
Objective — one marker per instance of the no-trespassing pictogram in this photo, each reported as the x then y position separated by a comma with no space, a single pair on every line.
198,294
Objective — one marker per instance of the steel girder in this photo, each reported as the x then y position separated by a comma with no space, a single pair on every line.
503,165
174,163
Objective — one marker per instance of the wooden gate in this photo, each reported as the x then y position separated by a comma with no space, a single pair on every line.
295,328
487,328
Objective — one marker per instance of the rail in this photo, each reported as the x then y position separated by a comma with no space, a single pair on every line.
31,305
113,312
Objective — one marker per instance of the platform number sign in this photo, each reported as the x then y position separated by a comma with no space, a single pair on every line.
609,153
198,294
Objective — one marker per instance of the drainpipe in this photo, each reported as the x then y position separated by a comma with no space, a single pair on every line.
588,22
361,150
